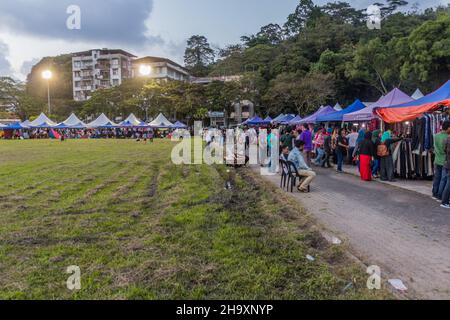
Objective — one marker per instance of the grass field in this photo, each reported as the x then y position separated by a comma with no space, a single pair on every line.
140,227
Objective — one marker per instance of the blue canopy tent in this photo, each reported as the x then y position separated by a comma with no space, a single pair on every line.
279,118
61,126
296,121
179,125
287,118
256,121
338,116
247,121
15,126
268,120
78,126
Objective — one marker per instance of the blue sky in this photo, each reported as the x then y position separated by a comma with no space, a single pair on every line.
30,30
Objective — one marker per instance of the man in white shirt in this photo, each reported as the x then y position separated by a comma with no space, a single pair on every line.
352,139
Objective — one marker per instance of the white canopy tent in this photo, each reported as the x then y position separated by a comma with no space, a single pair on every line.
417,94
42,121
161,122
133,120
26,123
73,121
102,122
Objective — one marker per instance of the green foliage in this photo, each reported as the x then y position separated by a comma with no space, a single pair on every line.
13,93
411,50
429,51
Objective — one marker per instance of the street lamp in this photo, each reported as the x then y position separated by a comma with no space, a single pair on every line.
144,107
145,70
47,75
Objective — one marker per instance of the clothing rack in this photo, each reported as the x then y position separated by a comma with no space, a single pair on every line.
413,157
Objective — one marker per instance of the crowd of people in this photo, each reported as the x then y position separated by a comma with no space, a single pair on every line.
106,133
370,151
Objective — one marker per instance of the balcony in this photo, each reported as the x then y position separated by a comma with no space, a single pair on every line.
102,66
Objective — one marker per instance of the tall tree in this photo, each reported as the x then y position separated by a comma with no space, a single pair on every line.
305,12
198,55
13,93
428,54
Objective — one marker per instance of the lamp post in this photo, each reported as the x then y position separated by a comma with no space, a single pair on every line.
144,107
145,70
47,75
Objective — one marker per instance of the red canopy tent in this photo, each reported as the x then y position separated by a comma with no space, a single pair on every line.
412,110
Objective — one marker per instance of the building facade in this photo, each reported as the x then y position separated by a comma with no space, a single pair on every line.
160,69
99,69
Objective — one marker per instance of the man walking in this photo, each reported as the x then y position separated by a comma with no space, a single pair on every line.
352,142
440,172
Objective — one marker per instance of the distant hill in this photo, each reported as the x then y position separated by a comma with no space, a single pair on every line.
61,83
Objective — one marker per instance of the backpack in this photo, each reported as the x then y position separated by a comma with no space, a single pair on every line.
382,150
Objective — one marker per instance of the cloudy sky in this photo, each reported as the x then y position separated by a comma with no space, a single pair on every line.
30,30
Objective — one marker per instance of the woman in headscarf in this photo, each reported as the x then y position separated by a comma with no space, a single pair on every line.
385,153
356,152
376,159
366,154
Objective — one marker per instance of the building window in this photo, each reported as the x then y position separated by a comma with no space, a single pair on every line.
115,72
116,82
77,64
115,62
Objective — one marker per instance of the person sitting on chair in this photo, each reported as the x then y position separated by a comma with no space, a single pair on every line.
303,169
284,153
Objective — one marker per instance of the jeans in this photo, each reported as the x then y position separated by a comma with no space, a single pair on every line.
440,181
387,168
350,155
320,155
446,193
376,167
340,159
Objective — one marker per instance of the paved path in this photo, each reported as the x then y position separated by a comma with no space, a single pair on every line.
406,233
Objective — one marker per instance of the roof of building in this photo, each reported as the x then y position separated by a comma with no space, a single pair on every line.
150,59
104,51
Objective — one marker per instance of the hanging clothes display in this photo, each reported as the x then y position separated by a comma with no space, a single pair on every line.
413,157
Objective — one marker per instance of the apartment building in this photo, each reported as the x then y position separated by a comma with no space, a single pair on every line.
99,69
160,69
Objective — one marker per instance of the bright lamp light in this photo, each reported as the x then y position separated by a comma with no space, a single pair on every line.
47,74
145,70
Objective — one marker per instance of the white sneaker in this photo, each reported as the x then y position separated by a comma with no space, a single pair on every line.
445,206
433,197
